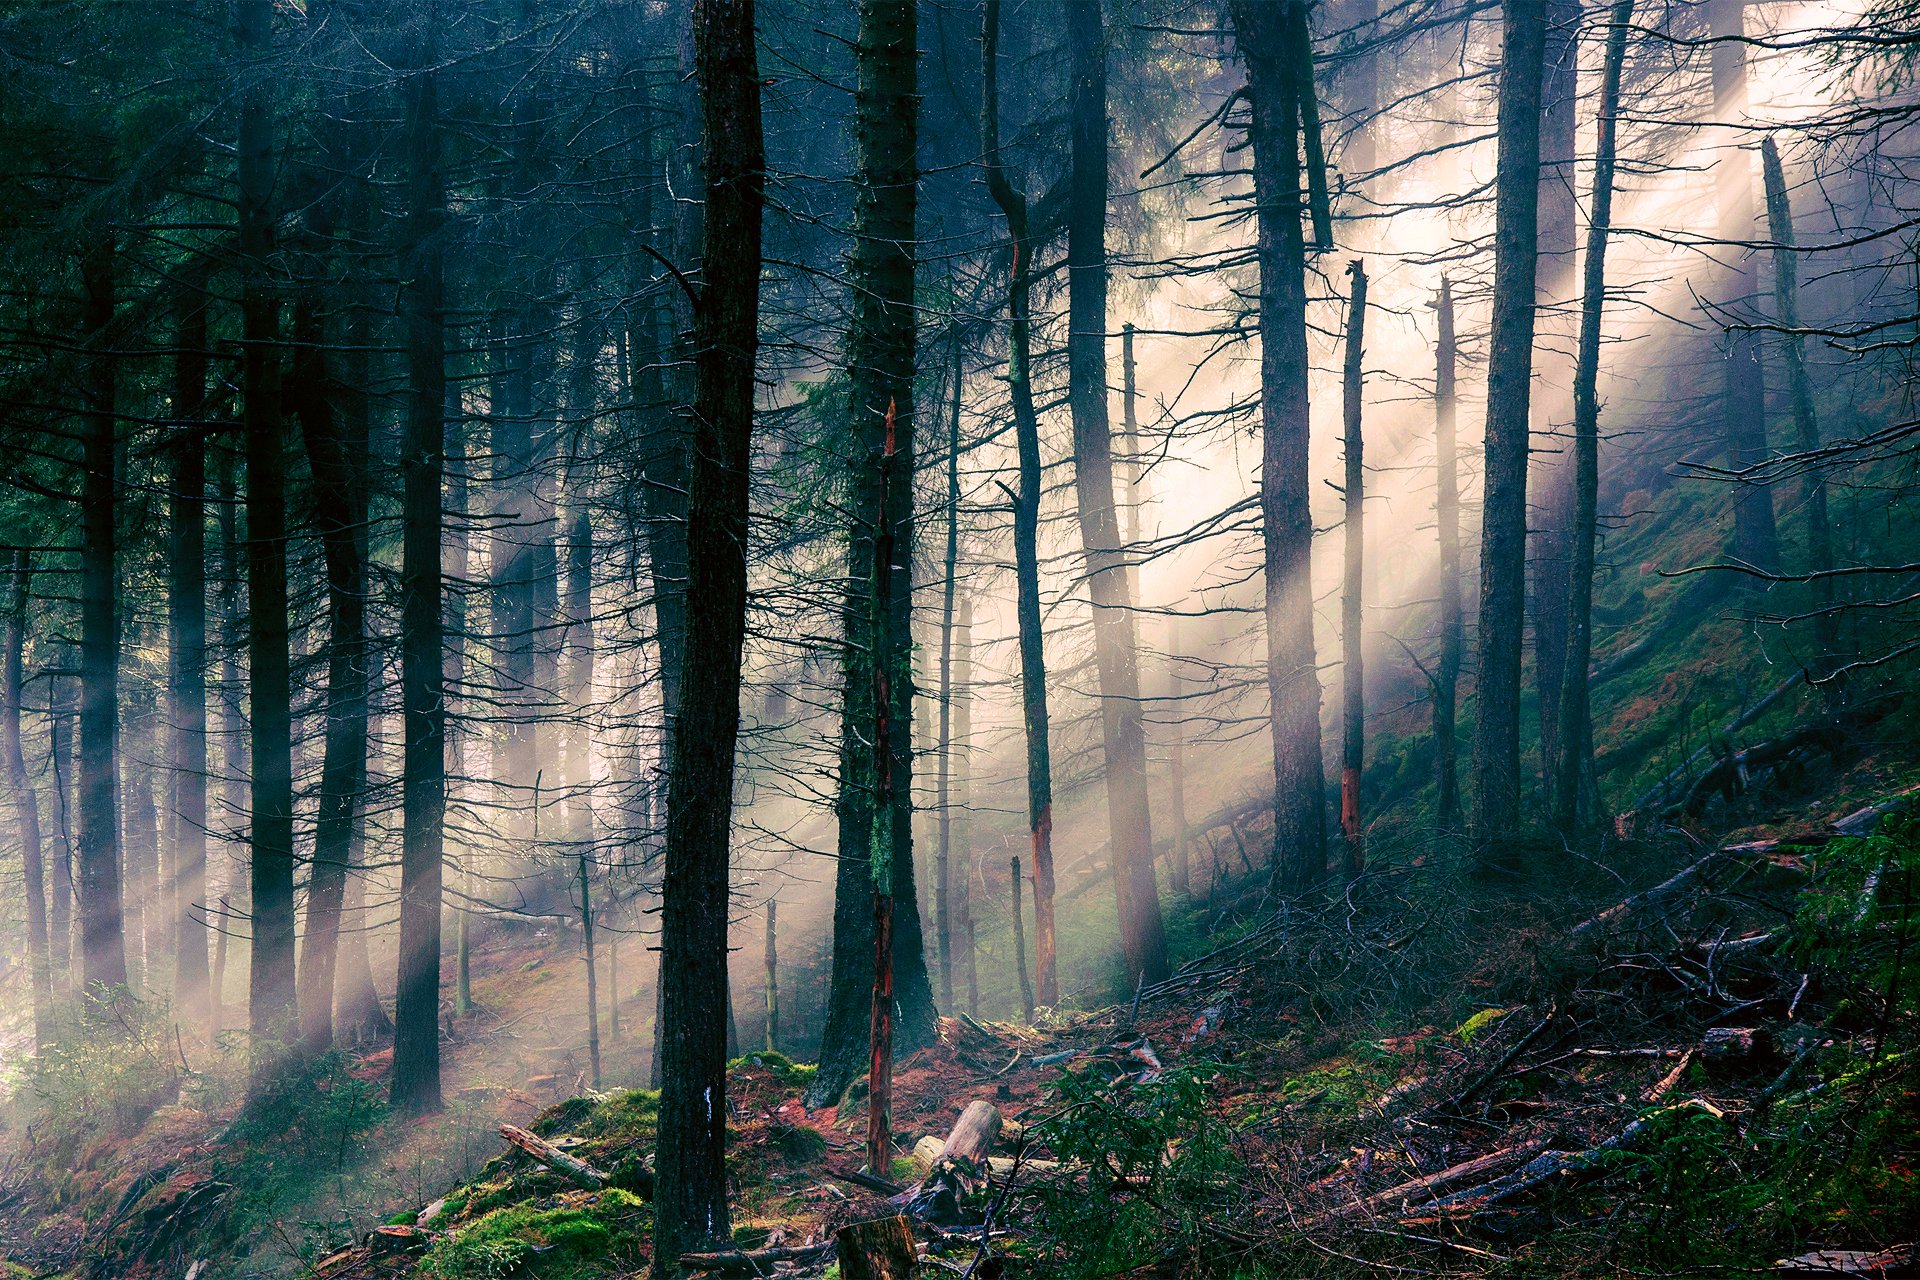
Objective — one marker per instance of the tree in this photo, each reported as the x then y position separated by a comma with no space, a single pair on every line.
1353,746
1013,206
1446,510
1503,530
1116,649
187,653
423,786
1283,130
1576,795
691,1205
26,801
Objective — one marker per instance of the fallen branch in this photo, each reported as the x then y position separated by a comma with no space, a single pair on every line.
554,1158
1427,1185
754,1262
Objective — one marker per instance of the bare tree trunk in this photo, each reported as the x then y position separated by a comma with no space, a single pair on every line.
102,942
1576,793
1026,503
963,794
271,997
1554,283
423,785
60,760
1446,682
691,1207
1503,532
1786,302
26,802
1020,941
1182,877
772,961
1743,400
943,874
1353,749
593,973
1274,41
187,652
1116,655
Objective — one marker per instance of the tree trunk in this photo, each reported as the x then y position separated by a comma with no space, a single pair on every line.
269,677
1503,532
137,836
1123,729
943,873
1576,796
1026,503
771,958
26,803
60,713
1786,303
1446,508
336,440
1743,399
963,796
593,973
1274,41
1353,753
1020,940
102,943
187,652
423,785
1554,284
1182,877
691,1209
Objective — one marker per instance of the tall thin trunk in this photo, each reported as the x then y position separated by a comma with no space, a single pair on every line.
593,972
1576,795
1743,398
771,958
1554,283
1353,749
187,653
1182,869
1130,467
1503,531
26,802
1020,939
102,943
691,1207
1806,426
138,837
456,556
423,783
1116,648
1446,511
942,871
962,797
336,432
1026,503
60,761
1276,44
271,997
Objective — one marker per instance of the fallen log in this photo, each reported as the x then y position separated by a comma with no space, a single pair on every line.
959,1170
554,1158
1883,1264
755,1262
1661,893
882,1249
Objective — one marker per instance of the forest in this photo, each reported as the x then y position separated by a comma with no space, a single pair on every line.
866,638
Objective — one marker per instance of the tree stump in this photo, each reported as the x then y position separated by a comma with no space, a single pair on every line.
878,1250
959,1170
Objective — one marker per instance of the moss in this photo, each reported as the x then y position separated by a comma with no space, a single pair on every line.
570,1240
784,1069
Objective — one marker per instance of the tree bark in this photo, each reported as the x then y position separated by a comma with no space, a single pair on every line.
1743,399
1353,750
102,943
1020,940
423,785
26,802
1012,203
1576,793
1503,532
691,1209
1274,41
1182,869
963,795
1446,507
271,998
187,653
943,872
1116,650
1806,425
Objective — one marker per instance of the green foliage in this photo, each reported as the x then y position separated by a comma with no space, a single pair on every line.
559,1242
1159,1166
797,1075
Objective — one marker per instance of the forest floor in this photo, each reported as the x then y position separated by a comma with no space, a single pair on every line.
1694,1060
